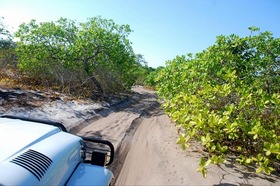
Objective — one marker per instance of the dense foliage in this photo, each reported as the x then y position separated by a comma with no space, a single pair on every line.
7,52
150,79
228,98
6,38
94,55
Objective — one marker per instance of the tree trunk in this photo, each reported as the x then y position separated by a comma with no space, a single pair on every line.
92,77
97,84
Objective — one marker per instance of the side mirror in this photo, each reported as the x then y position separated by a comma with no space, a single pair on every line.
102,151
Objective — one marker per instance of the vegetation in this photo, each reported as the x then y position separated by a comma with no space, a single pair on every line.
7,52
95,56
86,59
6,39
150,79
228,98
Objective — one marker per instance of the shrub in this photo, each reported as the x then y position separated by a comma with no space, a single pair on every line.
227,97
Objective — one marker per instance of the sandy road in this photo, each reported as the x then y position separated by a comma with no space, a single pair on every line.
147,153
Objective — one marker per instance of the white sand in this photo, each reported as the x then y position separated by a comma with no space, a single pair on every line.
145,142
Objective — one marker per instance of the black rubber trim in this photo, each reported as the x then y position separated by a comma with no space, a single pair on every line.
59,125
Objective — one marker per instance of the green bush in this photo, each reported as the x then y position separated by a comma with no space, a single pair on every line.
68,54
228,98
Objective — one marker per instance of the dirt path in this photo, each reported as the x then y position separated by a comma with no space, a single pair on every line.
147,153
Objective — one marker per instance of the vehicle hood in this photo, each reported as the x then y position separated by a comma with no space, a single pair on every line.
33,153
17,135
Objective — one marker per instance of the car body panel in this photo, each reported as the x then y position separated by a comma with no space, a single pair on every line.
86,174
36,154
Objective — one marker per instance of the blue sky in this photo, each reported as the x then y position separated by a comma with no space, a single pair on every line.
162,29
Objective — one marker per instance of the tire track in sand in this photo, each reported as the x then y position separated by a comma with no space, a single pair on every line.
120,124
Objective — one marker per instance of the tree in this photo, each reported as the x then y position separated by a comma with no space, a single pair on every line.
81,48
7,52
141,60
143,69
6,39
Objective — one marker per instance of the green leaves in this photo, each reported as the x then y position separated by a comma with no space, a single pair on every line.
254,29
6,38
272,149
202,166
227,98
206,140
71,53
263,164
183,141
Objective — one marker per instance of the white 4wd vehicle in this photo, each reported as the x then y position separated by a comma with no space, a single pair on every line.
37,152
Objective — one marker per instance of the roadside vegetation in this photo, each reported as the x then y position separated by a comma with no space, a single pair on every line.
7,51
90,59
228,98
